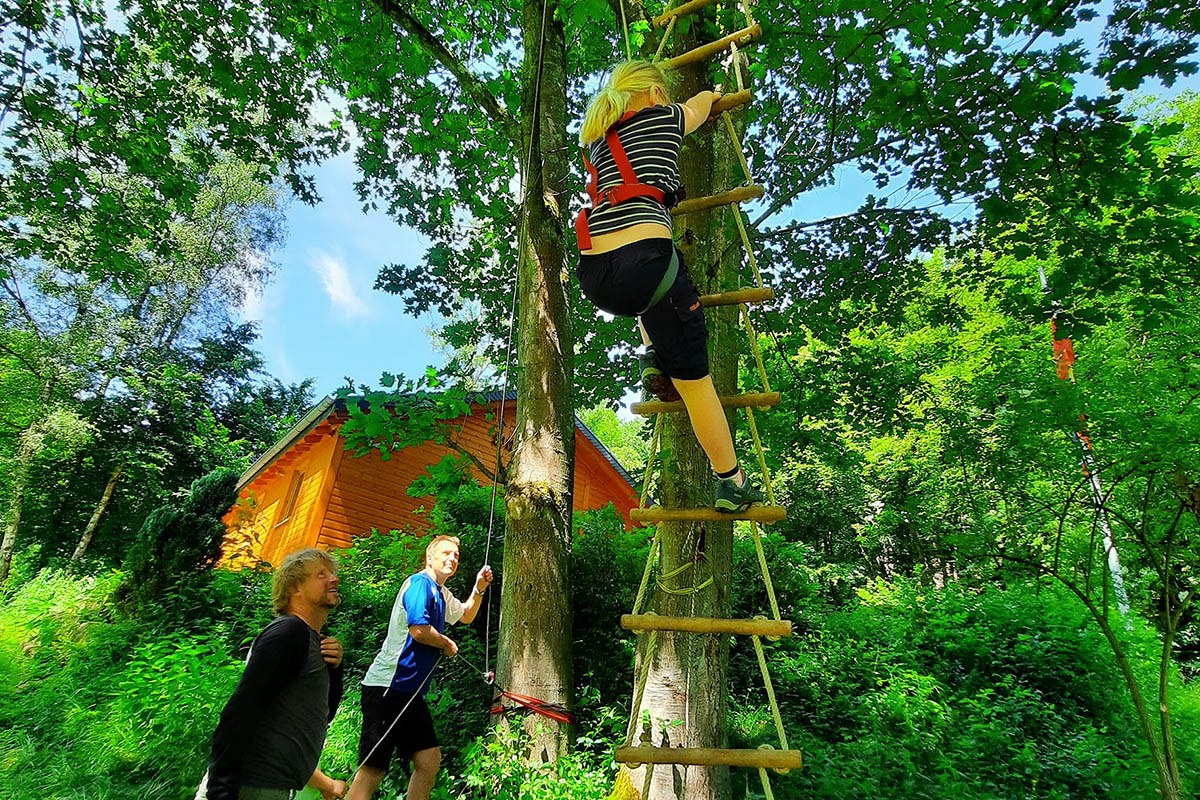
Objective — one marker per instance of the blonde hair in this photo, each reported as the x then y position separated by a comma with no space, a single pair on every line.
436,540
294,568
627,79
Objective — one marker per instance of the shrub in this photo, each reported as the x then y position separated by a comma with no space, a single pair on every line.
176,544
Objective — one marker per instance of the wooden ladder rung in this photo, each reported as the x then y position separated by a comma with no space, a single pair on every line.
710,757
741,38
714,200
729,102
739,627
687,9
752,400
737,297
764,514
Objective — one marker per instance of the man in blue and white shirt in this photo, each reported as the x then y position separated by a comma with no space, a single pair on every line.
396,718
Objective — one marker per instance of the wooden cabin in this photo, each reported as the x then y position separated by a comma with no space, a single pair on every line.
307,491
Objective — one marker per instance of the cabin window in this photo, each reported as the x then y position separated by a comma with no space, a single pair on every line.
293,493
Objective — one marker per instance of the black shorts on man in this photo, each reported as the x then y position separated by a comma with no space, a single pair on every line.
624,280
410,732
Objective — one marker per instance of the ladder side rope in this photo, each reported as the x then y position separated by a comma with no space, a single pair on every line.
766,572
741,152
753,336
762,458
625,28
737,215
766,784
762,665
639,689
737,61
666,36
655,438
650,559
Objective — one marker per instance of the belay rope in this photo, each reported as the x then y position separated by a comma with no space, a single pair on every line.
525,703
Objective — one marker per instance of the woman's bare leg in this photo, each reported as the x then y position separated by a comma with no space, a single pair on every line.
708,421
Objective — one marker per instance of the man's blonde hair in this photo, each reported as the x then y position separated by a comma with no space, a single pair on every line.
627,79
294,568
437,540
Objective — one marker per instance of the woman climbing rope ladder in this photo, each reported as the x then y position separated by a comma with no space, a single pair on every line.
629,265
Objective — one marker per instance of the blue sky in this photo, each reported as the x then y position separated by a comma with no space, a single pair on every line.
321,318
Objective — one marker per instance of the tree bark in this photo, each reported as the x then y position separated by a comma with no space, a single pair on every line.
94,522
535,616
12,519
1169,785
687,679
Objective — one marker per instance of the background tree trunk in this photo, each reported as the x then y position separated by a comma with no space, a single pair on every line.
12,519
94,522
535,616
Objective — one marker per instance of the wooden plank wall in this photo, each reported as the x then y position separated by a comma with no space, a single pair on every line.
277,535
343,497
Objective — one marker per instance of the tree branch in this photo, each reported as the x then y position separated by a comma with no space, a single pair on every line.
434,46
864,213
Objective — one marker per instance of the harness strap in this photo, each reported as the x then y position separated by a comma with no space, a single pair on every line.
592,191
626,190
629,187
664,285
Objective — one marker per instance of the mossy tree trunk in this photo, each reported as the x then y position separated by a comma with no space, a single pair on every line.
535,617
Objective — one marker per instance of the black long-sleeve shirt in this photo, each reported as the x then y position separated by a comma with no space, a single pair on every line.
272,729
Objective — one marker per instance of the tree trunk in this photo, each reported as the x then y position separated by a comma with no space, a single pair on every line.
687,682
535,614
12,519
94,522
1168,784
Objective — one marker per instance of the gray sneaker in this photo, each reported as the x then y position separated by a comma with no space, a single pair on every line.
734,499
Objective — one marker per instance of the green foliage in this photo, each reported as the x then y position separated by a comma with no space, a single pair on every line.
496,767
92,707
606,568
902,691
628,440
914,693
179,543
409,413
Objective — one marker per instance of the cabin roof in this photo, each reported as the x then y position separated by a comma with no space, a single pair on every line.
331,403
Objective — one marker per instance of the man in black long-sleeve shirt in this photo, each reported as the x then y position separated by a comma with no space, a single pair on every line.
271,732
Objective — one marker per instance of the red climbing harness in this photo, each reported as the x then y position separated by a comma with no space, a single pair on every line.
627,189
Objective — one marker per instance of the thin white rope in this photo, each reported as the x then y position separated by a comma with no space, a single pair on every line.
625,28
522,236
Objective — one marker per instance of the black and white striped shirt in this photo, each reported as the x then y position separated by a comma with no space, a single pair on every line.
651,139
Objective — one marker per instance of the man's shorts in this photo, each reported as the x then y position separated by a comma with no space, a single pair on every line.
622,281
410,734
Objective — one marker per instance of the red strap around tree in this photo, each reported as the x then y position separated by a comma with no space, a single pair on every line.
552,710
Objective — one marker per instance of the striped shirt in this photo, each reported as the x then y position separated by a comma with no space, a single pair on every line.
651,139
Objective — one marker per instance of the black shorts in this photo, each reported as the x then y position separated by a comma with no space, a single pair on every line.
622,281
410,734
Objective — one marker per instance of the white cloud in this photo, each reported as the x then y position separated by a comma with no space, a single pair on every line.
254,305
335,279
